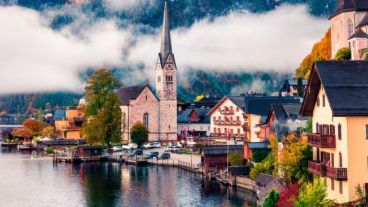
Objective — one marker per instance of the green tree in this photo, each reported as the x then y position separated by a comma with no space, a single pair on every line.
260,154
313,194
235,158
139,134
103,114
271,199
267,166
309,127
343,54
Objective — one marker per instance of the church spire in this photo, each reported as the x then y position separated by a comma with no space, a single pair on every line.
165,36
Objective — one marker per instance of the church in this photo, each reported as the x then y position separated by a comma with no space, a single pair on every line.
349,28
155,107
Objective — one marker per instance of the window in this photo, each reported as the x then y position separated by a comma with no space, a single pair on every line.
340,159
339,131
238,131
332,184
323,100
317,128
146,97
317,101
332,129
169,78
145,120
350,27
169,126
366,131
340,187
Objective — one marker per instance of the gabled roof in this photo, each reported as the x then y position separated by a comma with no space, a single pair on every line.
258,145
237,100
283,112
359,33
60,114
345,84
125,94
184,116
364,21
220,150
350,5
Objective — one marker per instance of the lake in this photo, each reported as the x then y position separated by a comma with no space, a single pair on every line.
27,180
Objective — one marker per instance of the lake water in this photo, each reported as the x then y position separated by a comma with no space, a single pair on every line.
27,180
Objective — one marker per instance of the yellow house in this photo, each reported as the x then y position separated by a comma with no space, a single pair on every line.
69,127
337,100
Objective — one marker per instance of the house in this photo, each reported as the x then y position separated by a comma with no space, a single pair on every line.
337,101
68,123
349,27
155,108
282,120
194,122
214,158
290,87
265,184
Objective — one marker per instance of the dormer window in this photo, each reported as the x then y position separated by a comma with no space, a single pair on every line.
323,100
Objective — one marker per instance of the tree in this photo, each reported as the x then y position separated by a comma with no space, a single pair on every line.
267,166
35,126
48,131
343,54
260,154
22,133
288,195
309,127
271,199
235,158
293,159
139,134
320,51
103,114
313,194
198,98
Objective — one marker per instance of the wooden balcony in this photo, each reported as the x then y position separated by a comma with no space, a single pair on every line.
228,123
316,168
226,112
337,173
322,141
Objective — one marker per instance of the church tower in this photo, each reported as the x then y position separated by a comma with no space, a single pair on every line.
166,83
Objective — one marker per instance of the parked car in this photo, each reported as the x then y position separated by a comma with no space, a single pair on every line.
117,148
149,145
151,155
164,156
174,149
136,152
130,146
157,144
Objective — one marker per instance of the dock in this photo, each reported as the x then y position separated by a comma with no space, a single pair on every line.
176,163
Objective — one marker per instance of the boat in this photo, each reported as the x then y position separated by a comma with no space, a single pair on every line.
26,147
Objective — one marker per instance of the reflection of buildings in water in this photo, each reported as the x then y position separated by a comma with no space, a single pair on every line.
101,183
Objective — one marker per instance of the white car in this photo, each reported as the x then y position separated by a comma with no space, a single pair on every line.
157,144
174,149
117,148
130,146
149,145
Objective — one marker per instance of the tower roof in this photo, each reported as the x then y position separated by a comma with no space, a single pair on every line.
350,5
359,33
165,36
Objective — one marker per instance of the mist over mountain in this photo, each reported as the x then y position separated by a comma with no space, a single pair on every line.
133,26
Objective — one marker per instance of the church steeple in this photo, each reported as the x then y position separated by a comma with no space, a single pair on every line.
165,37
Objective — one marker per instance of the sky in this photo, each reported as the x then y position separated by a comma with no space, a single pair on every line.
36,58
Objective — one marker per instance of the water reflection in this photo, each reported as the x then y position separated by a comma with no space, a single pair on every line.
107,184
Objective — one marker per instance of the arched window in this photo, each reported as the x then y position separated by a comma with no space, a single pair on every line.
350,27
145,120
339,131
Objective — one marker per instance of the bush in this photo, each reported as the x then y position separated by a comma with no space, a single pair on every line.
235,158
288,195
49,150
313,194
267,166
260,154
343,54
139,134
271,199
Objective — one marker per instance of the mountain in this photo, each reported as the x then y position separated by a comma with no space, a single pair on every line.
148,15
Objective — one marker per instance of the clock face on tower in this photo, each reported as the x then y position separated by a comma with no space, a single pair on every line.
169,66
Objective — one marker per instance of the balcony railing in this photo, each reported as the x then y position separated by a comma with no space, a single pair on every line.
226,112
228,123
321,169
316,168
337,173
322,141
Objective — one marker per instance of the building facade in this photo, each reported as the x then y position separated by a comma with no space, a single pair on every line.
348,16
194,122
338,106
156,109
69,124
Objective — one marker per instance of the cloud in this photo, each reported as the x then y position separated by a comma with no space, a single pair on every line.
35,58
256,86
116,5
274,41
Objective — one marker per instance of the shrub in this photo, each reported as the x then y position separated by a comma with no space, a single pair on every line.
267,166
271,199
49,150
260,154
235,158
343,54
288,195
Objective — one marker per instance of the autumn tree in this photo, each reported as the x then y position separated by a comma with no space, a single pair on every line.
293,159
102,112
320,51
35,126
139,134
267,166
343,54
313,194
198,98
48,131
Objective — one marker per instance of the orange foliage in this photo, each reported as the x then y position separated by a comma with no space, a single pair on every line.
320,51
